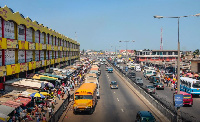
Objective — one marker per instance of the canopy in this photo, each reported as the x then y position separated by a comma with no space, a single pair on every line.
44,93
43,77
196,75
37,95
23,100
13,104
6,109
3,117
55,76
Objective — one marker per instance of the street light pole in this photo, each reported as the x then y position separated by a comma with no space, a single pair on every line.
178,62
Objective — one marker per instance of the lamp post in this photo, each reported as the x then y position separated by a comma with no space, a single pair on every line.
126,49
178,61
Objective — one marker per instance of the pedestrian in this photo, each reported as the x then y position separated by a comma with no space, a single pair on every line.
73,85
59,93
52,108
172,87
68,90
50,111
63,93
44,119
65,89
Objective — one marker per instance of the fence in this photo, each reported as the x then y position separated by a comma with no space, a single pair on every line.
165,107
56,116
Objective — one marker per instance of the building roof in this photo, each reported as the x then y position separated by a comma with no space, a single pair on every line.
129,51
164,50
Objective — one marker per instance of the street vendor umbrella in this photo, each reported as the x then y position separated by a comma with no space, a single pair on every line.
50,85
191,76
37,95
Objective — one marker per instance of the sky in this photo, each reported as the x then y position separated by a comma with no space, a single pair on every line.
101,24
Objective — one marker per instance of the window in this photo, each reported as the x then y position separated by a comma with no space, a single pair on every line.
164,53
153,53
21,32
9,30
29,35
36,36
83,97
169,53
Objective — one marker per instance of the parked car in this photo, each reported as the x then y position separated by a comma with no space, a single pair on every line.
145,116
150,89
113,85
138,69
159,86
139,81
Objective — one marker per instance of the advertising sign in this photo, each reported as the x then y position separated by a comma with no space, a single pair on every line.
12,43
48,62
2,71
37,46
43,62
13,69
178,99
23,45
38,64
52,61
44,46
32,65
31,46
23,67
3,44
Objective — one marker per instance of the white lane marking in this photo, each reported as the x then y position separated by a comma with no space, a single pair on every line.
114,92
117,99
122,110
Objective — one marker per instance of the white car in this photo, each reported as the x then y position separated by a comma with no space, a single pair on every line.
138,69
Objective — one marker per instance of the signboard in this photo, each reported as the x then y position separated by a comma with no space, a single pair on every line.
13,69
178,99
31,65
12,43
40,46
38,64
56,60
48,62
23,67
23,45
31,46
3,44
44,46
59,60
56,48
37,46
52,61
43,62
2,71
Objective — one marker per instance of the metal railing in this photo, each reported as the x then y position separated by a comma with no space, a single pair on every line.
165,107
56,116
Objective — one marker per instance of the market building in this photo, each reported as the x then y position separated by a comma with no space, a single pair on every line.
27,47
195,65
156,55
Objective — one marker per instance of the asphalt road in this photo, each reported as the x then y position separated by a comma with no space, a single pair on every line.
114,105
167,94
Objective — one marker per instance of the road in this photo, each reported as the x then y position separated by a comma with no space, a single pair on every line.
115,105
167,94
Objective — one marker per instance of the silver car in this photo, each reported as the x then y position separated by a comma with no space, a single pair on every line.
139,81
150,89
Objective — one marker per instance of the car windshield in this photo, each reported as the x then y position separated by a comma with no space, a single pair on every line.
148,119
83,97
113,83
186,96
139,78
150,87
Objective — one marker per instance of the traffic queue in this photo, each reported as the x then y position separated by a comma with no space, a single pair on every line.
85,98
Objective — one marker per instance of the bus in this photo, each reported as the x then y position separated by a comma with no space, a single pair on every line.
85,98
189,85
